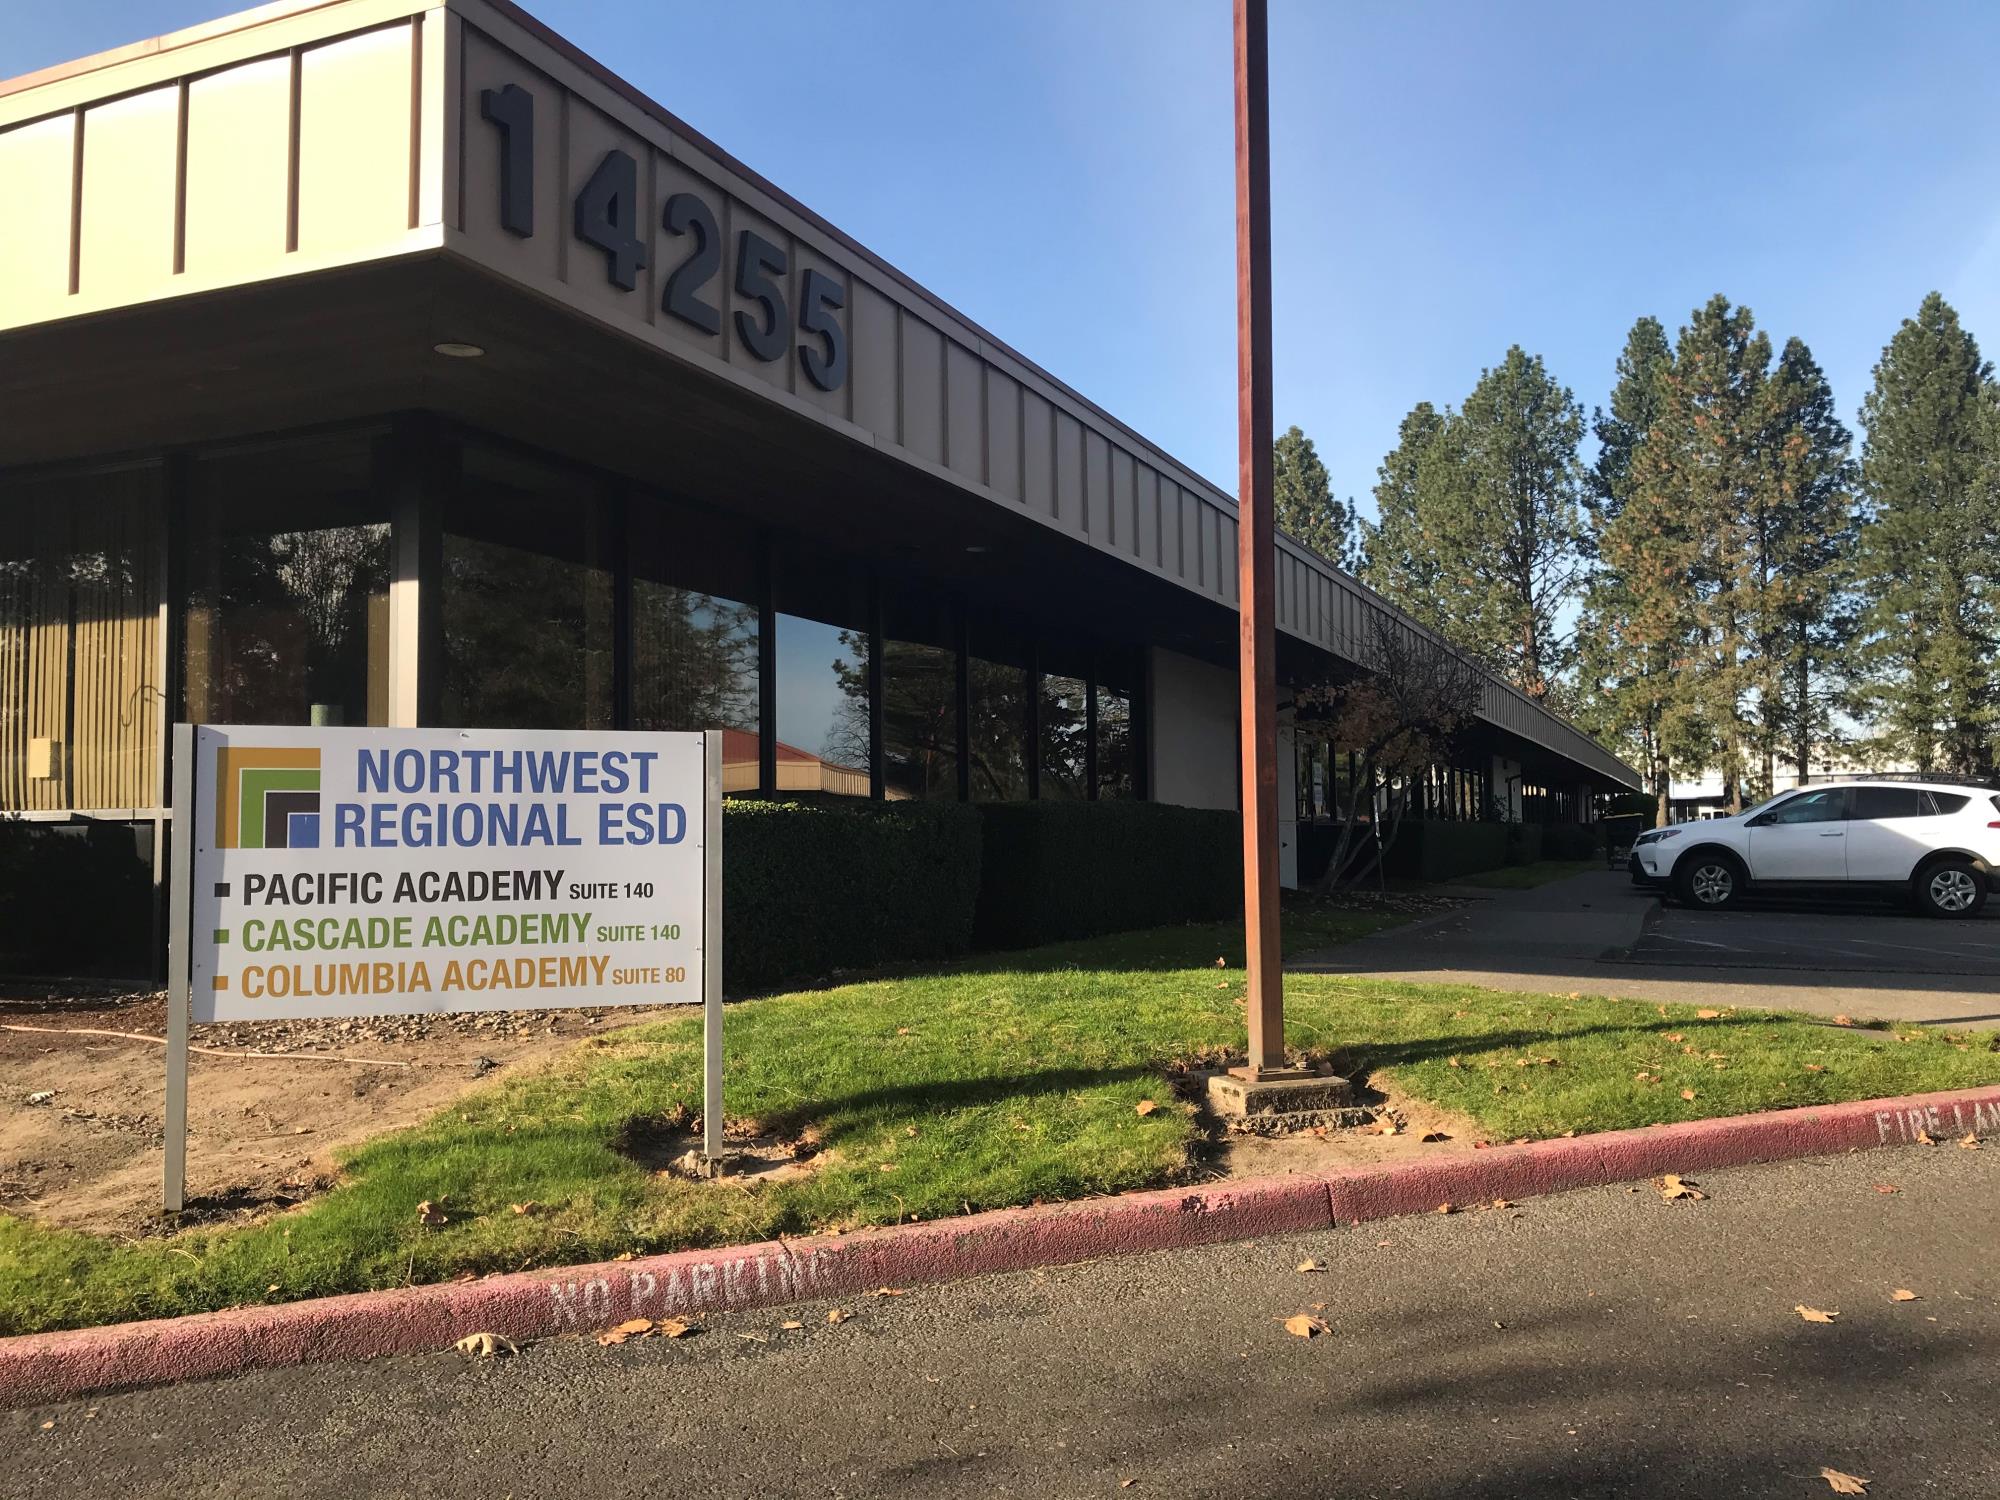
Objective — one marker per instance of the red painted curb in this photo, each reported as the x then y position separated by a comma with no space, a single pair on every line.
41,1368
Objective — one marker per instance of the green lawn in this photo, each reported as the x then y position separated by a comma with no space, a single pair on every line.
1001,1081
1524,877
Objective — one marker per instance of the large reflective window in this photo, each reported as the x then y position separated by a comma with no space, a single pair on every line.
1065,737
919,702
288,586
80,695
997,718
527,598
694,635
822,703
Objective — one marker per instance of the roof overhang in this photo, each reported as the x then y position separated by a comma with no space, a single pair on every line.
276,217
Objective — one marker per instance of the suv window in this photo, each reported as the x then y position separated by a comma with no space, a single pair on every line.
1829,806
1876,803
1949,802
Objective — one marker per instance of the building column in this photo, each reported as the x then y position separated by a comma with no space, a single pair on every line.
1288,803
417,470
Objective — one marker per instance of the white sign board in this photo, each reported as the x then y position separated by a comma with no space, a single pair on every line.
371,872
368,872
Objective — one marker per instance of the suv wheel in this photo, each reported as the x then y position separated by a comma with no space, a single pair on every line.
1709,879
1951,888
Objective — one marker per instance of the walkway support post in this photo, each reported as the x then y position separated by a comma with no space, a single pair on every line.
1257,655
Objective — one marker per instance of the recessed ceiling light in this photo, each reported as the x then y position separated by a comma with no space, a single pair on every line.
458,351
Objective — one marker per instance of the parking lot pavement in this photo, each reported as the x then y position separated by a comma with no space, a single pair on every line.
1869,940
1599,934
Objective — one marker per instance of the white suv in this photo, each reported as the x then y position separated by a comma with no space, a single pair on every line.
1935,842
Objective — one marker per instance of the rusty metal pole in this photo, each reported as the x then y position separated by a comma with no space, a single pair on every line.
1257,654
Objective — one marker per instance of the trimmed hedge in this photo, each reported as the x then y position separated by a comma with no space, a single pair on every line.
1524,843
809,887
1056,870
76,899
1572,841
1436,851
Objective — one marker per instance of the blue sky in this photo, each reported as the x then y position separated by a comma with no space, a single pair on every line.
1449,178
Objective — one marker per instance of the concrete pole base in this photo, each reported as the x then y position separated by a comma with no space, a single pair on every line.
1277,1104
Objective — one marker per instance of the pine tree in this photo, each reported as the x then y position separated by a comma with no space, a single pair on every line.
1703,459
1806,538
1303,503
1417,480
1930,472
1639,626
1515,538
1480,531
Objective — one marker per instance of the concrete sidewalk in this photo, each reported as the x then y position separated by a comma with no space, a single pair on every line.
1579,934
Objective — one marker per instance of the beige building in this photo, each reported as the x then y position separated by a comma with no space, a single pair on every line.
391,362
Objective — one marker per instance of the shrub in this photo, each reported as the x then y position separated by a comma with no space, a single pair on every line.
811,887
1055,870
76,898
1435,850
1524,843
1571,841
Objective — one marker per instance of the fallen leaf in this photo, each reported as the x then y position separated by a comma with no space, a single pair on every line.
630,1328
1845,1484
1688,1094
1388,1127
902,1031
1144,1107
1306,1326
48,1424
888,1291
430,1213
1815,1067
486,1345
1452,1062
1500,1203
1925,1138
1675,1036
1902,1294
1642,1076
678,1328
1673,1186
910,1130
525,1208
1706,1015
271,1288
1446,1208
1887,1187
888,1166
1815,1314
1312,1265
1222,963
1843,1021
835,1316
1968,1142
791,1325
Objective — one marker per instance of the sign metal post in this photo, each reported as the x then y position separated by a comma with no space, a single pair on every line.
178,964
711,953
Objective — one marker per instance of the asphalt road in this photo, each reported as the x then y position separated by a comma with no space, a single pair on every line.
1595,1344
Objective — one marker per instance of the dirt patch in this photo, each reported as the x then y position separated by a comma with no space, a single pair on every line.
1422,1131
671,1145
262,1132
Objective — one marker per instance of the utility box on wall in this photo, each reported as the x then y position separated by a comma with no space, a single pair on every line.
45,759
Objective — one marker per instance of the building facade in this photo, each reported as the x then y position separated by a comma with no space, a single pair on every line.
387,362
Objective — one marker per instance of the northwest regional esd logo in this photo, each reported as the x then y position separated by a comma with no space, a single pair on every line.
266,798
